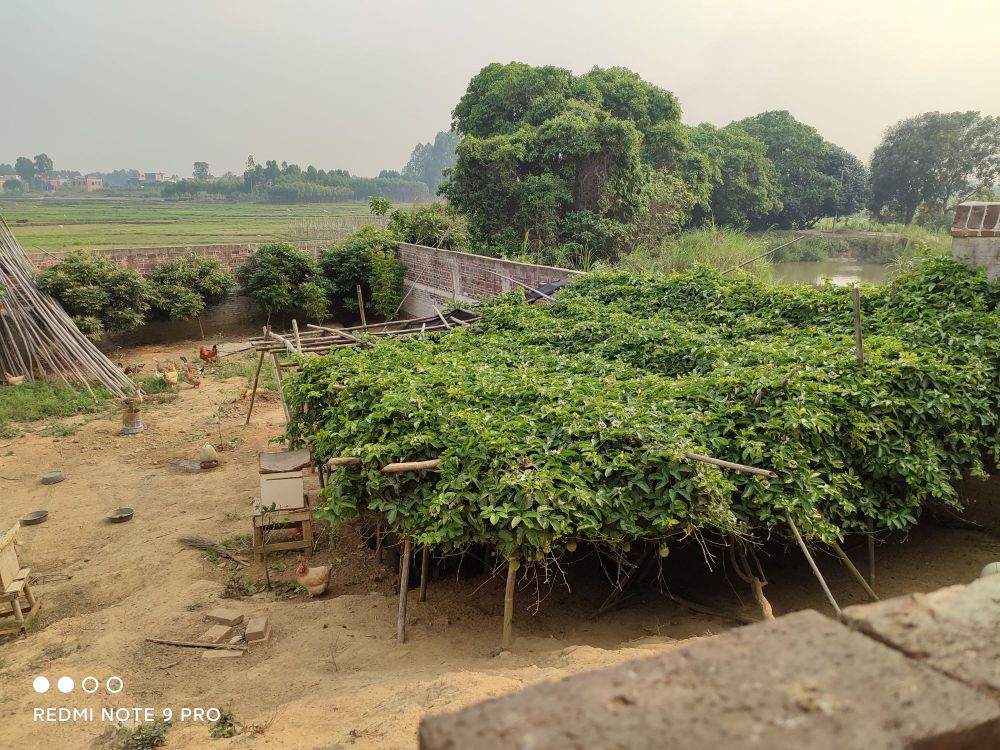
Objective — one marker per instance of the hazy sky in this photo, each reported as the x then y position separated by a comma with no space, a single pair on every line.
159,84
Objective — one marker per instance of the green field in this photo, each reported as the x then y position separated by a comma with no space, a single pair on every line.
54,224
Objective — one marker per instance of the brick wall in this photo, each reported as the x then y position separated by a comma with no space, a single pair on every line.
975,235
435,277
146,259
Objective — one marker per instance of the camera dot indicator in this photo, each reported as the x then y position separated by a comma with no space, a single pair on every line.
65,684
90,684
41,684
118,683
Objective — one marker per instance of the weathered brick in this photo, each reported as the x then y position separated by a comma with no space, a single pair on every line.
224,616
218,634
801,681
221,653
258,629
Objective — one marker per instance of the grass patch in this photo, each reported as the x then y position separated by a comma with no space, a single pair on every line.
30,402
144,736
237,587
244,366
59,429
240,541
226,726
152,386
721,249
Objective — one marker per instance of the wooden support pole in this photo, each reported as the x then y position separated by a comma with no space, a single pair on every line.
508,603
378,541
404,586
539,292
253,393
398,468
859,343
333,463
871,553
425,569
854,572
812,564
730,465
281,391
298,338
446,323
361,308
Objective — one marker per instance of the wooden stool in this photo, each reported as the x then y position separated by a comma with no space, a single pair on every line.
281,486
14,582
272,520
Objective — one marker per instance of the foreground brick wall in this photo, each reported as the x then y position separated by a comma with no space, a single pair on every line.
435,277
975,235
146,259
919,672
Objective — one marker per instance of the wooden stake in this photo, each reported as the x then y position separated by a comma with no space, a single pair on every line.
253,393
425,566
446,323
281,391
730,465
404,585
854,572
378,541
298,338
196,644
508,603
858,339
398,468
871,553
812,564
361,307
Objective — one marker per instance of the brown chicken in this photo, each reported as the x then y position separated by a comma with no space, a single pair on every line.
192,374
313,580
208,355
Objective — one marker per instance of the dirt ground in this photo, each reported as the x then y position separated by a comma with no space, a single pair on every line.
332,676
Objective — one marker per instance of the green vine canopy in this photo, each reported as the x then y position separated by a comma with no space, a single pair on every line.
568,422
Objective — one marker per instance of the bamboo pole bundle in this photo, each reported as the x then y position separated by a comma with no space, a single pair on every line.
38,338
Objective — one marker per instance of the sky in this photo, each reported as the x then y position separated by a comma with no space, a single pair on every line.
159,84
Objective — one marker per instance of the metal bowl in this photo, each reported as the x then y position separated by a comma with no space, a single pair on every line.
36,516
121,515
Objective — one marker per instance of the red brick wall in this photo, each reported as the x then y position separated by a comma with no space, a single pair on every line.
146,259
436,276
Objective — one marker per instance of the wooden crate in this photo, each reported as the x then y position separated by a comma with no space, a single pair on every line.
272,520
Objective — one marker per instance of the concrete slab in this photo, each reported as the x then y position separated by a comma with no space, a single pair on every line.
218,634
954,629
801,681
258,629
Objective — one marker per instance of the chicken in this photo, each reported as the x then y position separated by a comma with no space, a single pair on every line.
136,398
244,393
133,369
208,355
13,379
170,374
192,374
313,580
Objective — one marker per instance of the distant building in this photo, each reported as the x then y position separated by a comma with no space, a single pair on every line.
57,183
89,184
153,177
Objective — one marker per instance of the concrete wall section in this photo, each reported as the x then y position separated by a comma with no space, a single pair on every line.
436,277
975,235
914,673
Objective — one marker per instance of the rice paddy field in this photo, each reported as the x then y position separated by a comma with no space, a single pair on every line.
44,224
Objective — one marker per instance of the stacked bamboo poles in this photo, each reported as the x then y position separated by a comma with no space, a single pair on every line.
38,338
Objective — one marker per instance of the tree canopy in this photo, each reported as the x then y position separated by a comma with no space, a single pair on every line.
817,178
933,159
429,161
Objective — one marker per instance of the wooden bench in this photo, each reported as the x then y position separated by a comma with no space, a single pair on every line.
14,582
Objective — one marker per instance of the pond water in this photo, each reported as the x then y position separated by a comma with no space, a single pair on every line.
840,271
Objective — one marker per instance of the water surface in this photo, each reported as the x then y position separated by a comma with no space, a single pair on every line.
840,271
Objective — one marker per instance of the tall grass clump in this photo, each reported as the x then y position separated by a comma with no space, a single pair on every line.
720,249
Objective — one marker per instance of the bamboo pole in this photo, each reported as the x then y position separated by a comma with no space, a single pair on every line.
539,292
398,468
298,338
508,604
253,393
281,391
763,255
859,343
854,572
730,465
361,309
446,323
425,565
404,585
812,564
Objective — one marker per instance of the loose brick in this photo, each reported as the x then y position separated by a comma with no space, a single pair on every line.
221,653
224,616
258,629
218,633
801,681
953,629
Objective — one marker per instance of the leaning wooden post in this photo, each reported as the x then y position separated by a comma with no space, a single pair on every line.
871,553
404,585
281,391
508,603
298,338
425,567
361,307
859,343
854,572
256,379
812,564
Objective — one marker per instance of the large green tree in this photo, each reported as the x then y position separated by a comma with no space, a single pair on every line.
25,168
933,159
549,158
817,177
